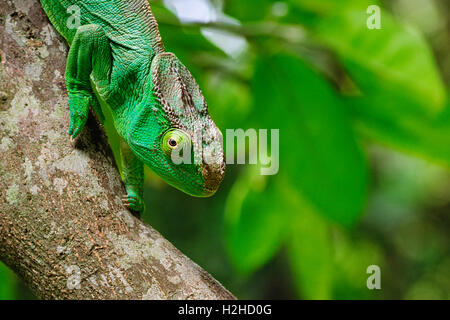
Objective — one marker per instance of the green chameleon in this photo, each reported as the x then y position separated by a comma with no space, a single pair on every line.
116,55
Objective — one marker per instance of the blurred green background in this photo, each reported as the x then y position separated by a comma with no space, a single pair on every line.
364,120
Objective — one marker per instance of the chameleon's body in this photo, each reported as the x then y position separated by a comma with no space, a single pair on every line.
156,104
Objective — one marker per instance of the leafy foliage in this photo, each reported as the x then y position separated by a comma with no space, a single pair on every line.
314,130
7,283
398,98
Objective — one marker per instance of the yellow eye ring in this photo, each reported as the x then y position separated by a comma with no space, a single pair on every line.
174,139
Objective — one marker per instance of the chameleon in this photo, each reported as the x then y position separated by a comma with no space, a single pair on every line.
116,56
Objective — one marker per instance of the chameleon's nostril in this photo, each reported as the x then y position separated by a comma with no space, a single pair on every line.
213,176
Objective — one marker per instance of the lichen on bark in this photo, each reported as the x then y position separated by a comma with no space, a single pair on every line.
62,226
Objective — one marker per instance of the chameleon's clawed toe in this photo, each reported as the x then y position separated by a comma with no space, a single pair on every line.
133,203
79,111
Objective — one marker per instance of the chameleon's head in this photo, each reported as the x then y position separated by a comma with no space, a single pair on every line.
174,134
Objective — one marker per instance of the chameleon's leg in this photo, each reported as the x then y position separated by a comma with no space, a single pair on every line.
133,177
89,55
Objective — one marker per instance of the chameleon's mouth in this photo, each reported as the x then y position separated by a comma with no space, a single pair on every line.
213,175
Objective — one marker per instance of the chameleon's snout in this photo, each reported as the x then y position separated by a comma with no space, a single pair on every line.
213,175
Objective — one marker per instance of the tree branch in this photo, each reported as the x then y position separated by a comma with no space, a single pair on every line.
62,226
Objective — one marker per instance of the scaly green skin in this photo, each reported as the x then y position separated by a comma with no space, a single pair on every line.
117,50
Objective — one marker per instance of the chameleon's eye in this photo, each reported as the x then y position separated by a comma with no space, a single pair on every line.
172,143
173,140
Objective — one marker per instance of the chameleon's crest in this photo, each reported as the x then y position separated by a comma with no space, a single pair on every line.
178,92
155,36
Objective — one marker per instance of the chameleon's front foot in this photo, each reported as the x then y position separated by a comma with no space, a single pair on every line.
79,112
133,201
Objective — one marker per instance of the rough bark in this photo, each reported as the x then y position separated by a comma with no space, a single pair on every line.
62,226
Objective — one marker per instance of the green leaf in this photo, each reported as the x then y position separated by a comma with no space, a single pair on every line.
327,7
255,221
229,100
395,119
351,257
318,151
397,54
426,137
7,283
249,10
309,251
